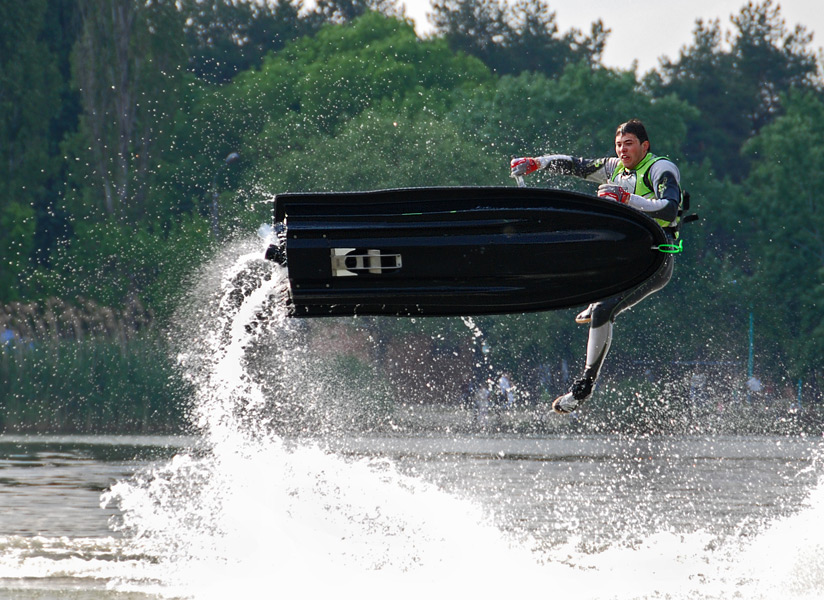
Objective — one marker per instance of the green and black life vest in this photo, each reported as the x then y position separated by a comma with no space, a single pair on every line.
643,185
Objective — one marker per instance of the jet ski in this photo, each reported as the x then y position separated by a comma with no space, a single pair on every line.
458,251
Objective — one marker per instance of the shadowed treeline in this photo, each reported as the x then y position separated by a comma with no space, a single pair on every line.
84,368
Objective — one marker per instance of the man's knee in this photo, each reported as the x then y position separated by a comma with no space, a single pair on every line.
603,312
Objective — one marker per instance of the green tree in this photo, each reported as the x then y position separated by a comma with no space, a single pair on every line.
60,30
125,64
513,38
772,60
737,89
385,148
121,189
346,11
576,113
28,95
535,43
705,76
313,89
785,223
224,38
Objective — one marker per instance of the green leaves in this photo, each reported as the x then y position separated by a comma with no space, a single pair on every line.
383,149
17,226
511,38
575,113
785,218
28,97
344,70
737,86
116,204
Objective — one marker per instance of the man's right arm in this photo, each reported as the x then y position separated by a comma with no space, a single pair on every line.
592,169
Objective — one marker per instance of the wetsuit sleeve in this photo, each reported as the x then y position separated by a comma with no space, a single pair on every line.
591,169
665,179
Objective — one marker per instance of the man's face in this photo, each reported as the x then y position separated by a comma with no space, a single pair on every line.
630,150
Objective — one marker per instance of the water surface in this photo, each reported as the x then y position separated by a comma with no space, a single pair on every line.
679,517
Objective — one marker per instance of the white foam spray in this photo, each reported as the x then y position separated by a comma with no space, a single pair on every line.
252,508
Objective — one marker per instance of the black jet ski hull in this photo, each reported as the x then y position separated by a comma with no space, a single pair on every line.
459,250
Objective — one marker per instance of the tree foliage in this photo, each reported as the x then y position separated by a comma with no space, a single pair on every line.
30,91
289,113
125,68
114,127
227,38
785,226
511,38
738,87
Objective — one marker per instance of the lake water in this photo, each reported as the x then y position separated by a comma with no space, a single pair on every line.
255,508
583,517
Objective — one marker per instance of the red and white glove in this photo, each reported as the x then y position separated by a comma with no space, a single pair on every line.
613,191
523,166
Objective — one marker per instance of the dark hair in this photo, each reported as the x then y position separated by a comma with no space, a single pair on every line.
635,127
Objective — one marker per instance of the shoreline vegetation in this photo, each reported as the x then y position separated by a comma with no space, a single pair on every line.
83,369
108,387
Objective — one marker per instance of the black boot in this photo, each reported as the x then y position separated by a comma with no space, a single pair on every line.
580,390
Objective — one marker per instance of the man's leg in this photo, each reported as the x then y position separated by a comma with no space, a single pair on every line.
600,335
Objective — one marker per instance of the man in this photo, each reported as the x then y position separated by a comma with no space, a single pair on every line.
645,182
